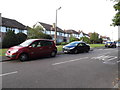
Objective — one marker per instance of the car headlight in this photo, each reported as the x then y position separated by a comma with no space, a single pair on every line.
14,51
72,48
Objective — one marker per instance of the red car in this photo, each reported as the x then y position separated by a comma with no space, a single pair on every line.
32,48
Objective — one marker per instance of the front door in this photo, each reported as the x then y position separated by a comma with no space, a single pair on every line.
35,49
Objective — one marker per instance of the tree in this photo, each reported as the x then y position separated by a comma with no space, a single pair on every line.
94,37
37,33
100,40
85,39
34,32
73,39
116,19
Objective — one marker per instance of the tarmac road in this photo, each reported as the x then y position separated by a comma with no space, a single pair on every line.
96,69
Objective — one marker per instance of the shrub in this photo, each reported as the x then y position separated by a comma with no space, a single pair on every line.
73,39
21,37
44,36
85,39
9,39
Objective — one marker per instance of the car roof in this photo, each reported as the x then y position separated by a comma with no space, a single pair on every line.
78,42
39,39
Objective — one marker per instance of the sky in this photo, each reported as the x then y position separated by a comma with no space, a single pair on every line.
88,16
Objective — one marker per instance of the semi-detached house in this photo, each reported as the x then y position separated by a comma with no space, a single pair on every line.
10,24
62,35
50,30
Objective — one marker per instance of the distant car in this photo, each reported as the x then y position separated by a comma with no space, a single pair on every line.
110,44
32,48
76,47
118,44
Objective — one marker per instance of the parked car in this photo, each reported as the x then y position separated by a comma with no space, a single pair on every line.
118,44
32,48
76,47
110,44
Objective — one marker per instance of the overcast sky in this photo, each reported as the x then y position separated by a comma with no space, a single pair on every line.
86,15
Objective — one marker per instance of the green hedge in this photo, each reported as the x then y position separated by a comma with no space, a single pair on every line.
11,39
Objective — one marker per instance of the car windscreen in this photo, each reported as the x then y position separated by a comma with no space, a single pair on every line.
26,43
73,44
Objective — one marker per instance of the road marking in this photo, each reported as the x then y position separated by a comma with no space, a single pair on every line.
105,58
105,53
8,73
111,59
69,61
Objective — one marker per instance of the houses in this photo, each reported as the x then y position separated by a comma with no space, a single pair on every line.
105,39
10,24
50,30
62,35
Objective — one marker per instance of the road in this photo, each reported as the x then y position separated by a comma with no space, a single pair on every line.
96,69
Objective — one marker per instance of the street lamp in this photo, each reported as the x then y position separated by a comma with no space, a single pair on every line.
56,26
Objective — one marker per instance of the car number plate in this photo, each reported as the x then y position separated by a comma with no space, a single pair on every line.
65,51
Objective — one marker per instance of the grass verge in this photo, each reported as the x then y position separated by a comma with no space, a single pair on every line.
2,52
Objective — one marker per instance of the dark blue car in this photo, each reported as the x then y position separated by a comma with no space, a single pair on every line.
76,47
110,44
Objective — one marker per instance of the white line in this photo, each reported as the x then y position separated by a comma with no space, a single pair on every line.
111,59
105,53
8,73
69,61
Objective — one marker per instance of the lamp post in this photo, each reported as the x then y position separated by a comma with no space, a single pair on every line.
56,25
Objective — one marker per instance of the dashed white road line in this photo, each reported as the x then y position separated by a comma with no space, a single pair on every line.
8,73
111,59
69,61
104,53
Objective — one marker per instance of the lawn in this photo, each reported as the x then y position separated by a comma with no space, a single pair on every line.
2,52
96,45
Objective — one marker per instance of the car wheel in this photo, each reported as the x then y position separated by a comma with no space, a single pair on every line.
53,54
75,51
23,57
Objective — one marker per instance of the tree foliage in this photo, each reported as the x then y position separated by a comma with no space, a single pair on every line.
37,33
94,37
85,39
34,32
116,19
73,39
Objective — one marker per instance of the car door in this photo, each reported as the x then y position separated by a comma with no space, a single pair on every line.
47,47
81,47
35,49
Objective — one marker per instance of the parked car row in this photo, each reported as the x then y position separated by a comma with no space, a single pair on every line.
110,44
34,48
